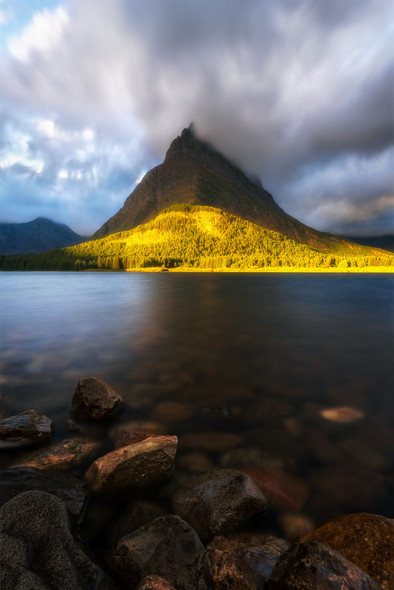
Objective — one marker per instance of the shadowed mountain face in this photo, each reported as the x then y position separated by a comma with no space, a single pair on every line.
195,173
39,235
383,242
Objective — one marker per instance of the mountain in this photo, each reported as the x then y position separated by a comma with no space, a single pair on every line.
39,235
198,237
383,242
195,173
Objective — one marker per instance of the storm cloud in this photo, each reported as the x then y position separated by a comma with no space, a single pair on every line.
297,92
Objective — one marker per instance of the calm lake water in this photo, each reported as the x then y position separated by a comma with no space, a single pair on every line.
240,366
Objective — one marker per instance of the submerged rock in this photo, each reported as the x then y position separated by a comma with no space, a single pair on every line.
239,565
65,455
367,540
218,502
25,429
155,583
167,547
72,490
134,467
93,398
283,490
39,550
312,566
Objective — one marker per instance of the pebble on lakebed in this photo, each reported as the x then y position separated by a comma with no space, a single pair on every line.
93,398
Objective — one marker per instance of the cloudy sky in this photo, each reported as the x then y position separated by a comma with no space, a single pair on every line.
298,92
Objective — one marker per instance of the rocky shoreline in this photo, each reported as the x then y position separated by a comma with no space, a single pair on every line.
78,516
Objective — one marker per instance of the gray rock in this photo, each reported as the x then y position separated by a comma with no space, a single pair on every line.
25,429
72,490
239,565
167,547
218,502
312,566
134,467
93,398
38,550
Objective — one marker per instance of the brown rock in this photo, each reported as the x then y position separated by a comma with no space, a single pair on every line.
167,547
66,455
72,490
314,566
129,438
93,398
213,442
365,539
342,414
218,502
171,412
133,426
195,462
155,583
242,566
294,525
28,428
283,490
135,467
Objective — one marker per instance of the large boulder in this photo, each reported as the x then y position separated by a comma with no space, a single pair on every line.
135,467
218,502
72,490
365,539
242,563
25,429
312,566
38,549
167,547
93,398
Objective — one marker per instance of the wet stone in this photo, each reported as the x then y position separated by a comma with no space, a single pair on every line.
38,547
283,490
167,547
93,398
132,426
25,429
242,565
295,525
155,583
312,566
213,442
68,454
134,467
72,490
218,502
138,514
365,539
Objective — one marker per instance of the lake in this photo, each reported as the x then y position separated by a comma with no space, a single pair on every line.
249,371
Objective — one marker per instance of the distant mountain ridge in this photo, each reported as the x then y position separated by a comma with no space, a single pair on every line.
34,237
383,242
195,173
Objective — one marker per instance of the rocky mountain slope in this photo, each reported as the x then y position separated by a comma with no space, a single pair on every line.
195,173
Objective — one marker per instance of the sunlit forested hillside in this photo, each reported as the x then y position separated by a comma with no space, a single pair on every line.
187,236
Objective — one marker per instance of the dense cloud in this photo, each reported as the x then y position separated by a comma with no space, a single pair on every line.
298,92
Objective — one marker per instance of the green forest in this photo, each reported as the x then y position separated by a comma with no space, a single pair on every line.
199,237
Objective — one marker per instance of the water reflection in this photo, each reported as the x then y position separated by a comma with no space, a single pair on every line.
286,376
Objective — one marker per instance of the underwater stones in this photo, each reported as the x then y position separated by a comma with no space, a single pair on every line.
342,414
25,429
218,502
365,539
38,548
283,491
93,398
72,490
213,442
312,566
134,467
239,565
167,547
